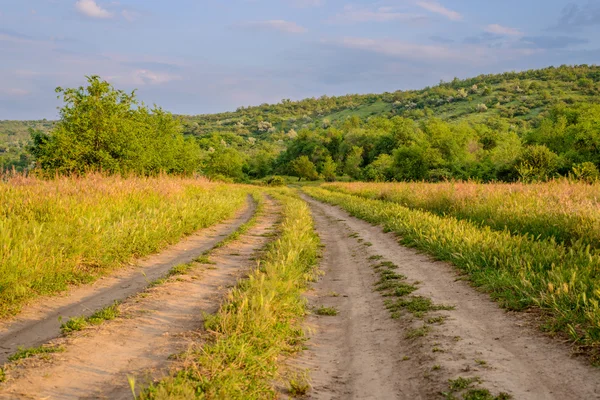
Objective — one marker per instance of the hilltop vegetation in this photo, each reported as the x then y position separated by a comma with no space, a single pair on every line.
532,125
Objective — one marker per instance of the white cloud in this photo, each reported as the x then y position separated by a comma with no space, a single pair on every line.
382,14
503,30
274,25
91,9
437,8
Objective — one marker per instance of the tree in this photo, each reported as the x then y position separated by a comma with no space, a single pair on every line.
224,161
302,167
328,170
381,169
353,162
537,163
104,129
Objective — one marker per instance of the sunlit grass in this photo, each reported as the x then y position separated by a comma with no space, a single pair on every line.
568,212
54,233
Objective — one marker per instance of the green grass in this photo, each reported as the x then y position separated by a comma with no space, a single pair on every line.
518,271
465,386
23,353
56,233
259,322
79,323
299,384
417,332
327,311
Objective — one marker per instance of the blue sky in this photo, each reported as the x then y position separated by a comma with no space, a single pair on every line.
203,56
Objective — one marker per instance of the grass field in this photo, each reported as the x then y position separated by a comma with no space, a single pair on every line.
519,271
54,233
568,212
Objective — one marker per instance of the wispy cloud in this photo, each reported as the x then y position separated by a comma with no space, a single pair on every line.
381,14
14,92
273,25
436,54
307,3
91,9
503,30
574,17
553,42
440,39
435,7
15,37
398,48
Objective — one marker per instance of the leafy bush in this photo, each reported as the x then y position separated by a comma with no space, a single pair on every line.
108,130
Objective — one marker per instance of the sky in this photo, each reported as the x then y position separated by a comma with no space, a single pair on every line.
206,56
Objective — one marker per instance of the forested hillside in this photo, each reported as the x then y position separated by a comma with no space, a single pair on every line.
530,125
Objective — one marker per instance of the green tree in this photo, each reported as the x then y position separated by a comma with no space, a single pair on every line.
537,163
328,169
381,169
302,167
224,162
353,162
104,129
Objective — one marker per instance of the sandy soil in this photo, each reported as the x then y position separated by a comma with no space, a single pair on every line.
363,354
155,325
41,321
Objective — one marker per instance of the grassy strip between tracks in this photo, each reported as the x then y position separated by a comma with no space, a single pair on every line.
259,322
72,230
517,271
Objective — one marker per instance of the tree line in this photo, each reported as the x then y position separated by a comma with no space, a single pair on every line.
105,129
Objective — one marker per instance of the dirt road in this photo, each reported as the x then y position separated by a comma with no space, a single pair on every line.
154,325
362,353
41,322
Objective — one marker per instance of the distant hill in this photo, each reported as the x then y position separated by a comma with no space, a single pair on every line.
14,138
518,97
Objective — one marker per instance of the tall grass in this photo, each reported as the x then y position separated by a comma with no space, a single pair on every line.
518,271
259,321
54,233
567,211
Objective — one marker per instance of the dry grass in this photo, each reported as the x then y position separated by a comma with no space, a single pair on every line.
54,233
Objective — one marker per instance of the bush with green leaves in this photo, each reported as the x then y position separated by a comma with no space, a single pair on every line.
105,129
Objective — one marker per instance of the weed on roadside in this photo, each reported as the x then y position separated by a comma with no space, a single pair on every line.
23,353
299,384
327,311
417,332
465,386
416,305
78,323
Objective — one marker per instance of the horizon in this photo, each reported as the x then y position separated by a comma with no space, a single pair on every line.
267,51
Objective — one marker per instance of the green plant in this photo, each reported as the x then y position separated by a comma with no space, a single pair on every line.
299,384
417,332
23,353
328,311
